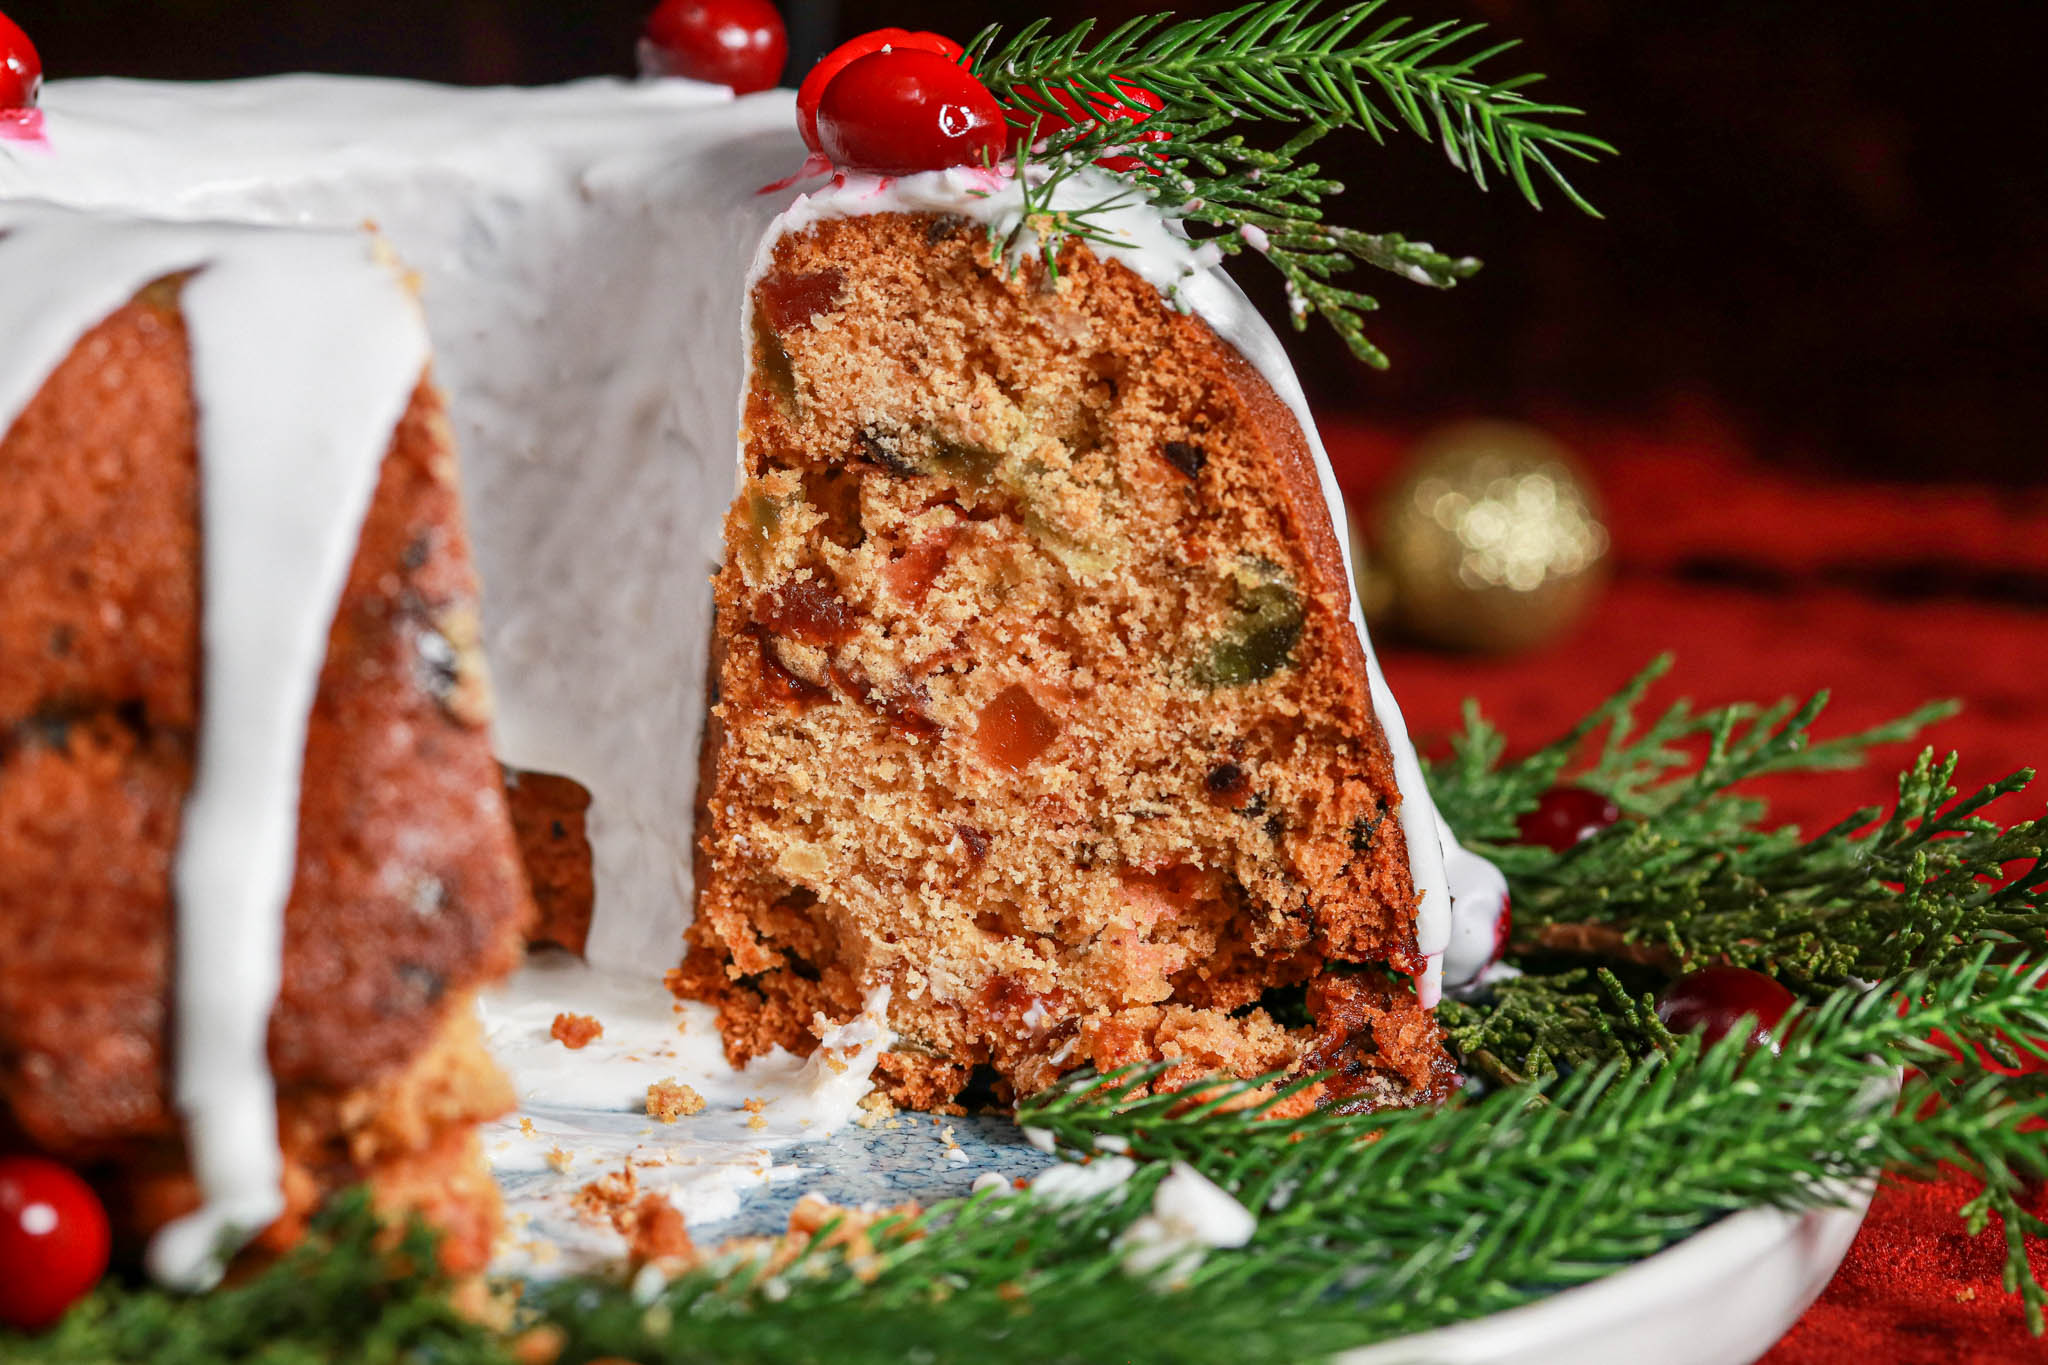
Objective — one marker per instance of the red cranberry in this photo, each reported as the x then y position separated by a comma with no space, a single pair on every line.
812,91
1503,929
740,43
1566,816
21,70
898,112
1712,999
53,1241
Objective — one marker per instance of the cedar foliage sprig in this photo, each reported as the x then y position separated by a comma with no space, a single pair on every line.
1694,877
1369,1226
1375,1226
1318,71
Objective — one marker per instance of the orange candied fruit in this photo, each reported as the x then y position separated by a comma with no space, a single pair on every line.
1013,729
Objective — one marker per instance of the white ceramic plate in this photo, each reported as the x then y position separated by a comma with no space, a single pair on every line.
1720,1297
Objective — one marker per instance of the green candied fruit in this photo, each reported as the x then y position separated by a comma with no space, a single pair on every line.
757,534
974,467
773,361
1265,624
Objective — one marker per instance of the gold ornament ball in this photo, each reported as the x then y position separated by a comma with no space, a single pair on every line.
1493,541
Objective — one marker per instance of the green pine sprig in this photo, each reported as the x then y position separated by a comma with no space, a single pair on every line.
1693,875
1317,71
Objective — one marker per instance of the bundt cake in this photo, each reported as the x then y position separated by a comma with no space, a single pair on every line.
1037,702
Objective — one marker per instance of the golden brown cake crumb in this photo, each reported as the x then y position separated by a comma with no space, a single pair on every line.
1039,701
655,1231
575,1031
668,1101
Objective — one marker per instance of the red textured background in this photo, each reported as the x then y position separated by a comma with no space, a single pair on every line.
1766,583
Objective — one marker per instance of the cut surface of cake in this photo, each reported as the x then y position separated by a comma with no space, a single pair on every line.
1039,697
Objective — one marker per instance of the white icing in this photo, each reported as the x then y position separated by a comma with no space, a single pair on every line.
581,1113
1479,898
1071,1182
1188,275
304,352
1191,1215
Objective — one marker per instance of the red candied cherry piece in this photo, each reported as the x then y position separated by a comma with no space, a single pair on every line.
812,91
53,1241
792,301
808,611
899,112
1013,729
740,43
1712,1000
1567,816
21,70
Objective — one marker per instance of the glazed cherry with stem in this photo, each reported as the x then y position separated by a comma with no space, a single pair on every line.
897,112
21,70
53,1241
737,43
1712,1001
1565,817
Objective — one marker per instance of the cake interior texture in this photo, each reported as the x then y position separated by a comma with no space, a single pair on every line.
407,895
1037,696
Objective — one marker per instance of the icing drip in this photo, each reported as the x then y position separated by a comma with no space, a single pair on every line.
1188,275
304,352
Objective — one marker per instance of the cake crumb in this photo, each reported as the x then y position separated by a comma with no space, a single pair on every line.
575,1031
1967,1294
875,1109
526,1128
669,1100
757,1122
606,1195
655,1231
560,1158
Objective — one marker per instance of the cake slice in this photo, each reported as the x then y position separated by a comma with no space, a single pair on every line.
1039,702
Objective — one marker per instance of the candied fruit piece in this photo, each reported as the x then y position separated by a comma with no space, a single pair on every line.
781,683
1013,729
772,361
911,574
792,301
807,609
1265,623
972,466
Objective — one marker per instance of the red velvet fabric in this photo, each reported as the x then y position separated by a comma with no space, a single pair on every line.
1764,584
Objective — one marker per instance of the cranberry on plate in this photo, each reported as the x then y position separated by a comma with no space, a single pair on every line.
897,112
1712,1000
740,43
1567,816
53,1241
